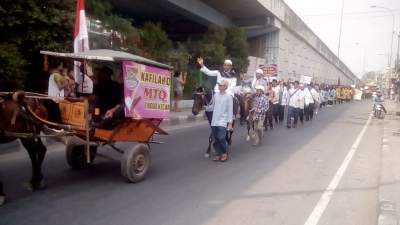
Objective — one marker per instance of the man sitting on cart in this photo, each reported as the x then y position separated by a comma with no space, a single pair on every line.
109,99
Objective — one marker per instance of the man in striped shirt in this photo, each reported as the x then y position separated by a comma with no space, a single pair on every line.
260,107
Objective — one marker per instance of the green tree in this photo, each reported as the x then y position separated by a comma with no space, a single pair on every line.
179,57
212,47
30,26
155,42
11,60
237,48
99,8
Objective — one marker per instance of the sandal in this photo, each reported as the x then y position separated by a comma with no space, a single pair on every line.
216,158
224,158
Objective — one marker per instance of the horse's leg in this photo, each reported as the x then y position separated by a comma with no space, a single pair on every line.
229,134
208,151
248,130
242,110
41,153
37,152
210,138
2,195
1,189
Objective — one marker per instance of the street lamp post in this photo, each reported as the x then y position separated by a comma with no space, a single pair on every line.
391,45
364,55
340,29
397,66
388,74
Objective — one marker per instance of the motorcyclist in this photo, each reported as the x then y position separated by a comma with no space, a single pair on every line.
379,100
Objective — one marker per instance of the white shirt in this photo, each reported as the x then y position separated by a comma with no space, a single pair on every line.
333,93
301,99
215,73
308,97
277,91
53,90
322,96
294,97
223,110
377,99
269,79
285,96
315,95
257,82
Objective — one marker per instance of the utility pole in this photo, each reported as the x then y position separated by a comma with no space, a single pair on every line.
390,57
364,55
340,29
397,66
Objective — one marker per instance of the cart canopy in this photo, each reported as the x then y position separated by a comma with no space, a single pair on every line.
108,56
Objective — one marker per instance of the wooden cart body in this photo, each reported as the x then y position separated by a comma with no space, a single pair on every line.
127,130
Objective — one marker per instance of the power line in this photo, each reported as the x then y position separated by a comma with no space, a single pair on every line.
358,18
350,13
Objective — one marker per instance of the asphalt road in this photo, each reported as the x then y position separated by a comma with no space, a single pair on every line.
280,182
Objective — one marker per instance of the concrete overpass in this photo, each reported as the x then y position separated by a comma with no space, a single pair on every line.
276,35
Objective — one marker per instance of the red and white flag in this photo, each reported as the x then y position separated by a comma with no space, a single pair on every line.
81,37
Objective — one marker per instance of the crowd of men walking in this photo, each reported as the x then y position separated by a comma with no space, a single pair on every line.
266,100
302,101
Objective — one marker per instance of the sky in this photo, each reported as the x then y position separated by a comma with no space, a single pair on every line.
366,31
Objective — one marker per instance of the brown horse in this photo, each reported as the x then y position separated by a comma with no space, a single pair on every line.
247,113
18,123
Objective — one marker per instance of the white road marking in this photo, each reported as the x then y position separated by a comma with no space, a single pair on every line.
323,202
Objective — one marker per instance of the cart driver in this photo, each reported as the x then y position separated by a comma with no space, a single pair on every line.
109,99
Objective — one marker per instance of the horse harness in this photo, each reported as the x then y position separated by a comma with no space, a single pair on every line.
209,103
20,111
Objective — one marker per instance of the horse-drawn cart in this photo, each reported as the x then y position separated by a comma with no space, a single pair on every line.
146,85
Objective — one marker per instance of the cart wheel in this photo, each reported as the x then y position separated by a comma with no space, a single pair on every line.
135,163
76,156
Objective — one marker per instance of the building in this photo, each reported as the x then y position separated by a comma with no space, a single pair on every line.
276,35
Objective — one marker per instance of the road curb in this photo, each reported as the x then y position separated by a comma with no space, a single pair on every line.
388,189
387,213
182,119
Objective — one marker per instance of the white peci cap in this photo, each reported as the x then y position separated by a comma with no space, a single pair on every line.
260,87
259,71
228,62
223,83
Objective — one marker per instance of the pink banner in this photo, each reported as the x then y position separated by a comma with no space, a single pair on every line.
147,91
271,69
